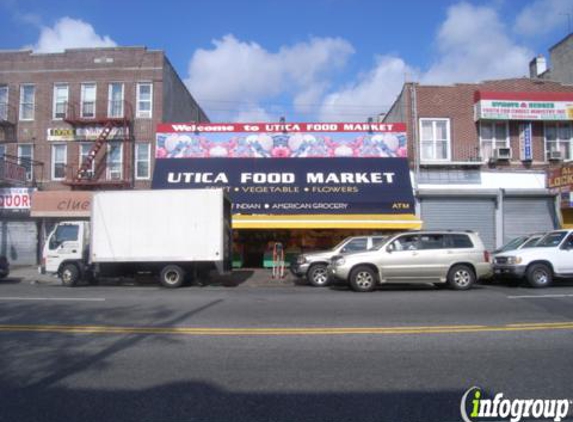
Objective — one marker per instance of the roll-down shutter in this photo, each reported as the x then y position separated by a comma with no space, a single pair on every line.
18,242
478,214
527,215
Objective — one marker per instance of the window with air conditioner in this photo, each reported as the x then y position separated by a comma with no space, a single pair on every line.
558,141
494,141
434,140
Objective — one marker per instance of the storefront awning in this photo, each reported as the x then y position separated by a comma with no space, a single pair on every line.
322,221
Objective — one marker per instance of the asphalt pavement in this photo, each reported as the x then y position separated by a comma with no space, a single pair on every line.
250,348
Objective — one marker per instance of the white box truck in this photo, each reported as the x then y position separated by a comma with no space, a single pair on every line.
168,233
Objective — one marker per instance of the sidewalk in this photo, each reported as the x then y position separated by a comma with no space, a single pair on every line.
253,277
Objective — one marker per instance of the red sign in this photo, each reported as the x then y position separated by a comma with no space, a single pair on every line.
280,127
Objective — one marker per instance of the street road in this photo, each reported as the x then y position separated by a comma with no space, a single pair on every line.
275,352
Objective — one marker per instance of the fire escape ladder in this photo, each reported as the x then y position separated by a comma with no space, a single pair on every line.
101,139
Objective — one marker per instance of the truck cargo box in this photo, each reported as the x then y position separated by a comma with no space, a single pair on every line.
160,226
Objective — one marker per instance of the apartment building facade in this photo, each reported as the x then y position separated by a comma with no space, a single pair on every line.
480,153
78,121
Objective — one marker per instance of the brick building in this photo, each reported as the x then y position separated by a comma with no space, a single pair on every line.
82,120
480,153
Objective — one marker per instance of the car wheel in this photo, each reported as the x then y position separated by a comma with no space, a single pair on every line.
70,275
363,279
539,275
172,276
461,277
318,275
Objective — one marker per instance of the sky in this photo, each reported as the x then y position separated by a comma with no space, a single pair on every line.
311,60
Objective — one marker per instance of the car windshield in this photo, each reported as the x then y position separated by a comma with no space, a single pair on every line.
531,242
551,240
339,244
513,244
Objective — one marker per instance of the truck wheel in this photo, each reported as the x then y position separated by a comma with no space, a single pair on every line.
70,275
317,275
172,276
363,279
461,277
539,275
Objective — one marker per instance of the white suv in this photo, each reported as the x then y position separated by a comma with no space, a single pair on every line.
551,257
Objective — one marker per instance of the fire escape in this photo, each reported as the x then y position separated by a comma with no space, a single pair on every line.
94,172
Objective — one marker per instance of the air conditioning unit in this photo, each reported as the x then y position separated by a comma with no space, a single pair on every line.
554,155
502,154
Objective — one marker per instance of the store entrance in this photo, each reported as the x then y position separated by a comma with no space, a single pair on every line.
254,248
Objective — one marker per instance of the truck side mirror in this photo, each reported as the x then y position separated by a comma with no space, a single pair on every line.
390,248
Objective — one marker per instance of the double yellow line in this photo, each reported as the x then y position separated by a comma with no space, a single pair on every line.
298,331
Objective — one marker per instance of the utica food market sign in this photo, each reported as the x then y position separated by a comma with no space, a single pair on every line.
524,106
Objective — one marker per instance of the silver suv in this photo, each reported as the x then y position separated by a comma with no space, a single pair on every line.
313,265
457,258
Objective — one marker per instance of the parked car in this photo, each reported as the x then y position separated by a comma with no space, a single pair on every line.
4,267
520,242
313,265
457,258
551,257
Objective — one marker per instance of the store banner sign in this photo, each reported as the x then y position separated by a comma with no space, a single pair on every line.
280,140
525,147
338,185
523,110
15,201
88,133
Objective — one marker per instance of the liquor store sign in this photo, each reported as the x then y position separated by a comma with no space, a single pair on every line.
15,201
91,133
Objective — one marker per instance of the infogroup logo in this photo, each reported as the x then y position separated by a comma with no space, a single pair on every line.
475,407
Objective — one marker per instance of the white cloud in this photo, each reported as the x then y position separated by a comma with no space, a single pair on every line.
370,95
474,45
69,33
254,114
542,17
236,71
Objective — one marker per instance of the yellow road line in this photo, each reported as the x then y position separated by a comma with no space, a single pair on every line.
269,331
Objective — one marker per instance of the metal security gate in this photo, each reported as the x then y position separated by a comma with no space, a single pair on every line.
19,241
478,214
528,215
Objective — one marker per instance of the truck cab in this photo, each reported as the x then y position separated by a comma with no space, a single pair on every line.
67,243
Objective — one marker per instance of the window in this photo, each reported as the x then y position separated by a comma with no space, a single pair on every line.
59,161
356,245
377,242
3,102
405,243
144,99
25,157
61,94
142,161
492,135
431,241
84,151
2,152
27,94
64,233
459,241
114,161
435,139
558,139
115,100
88,101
